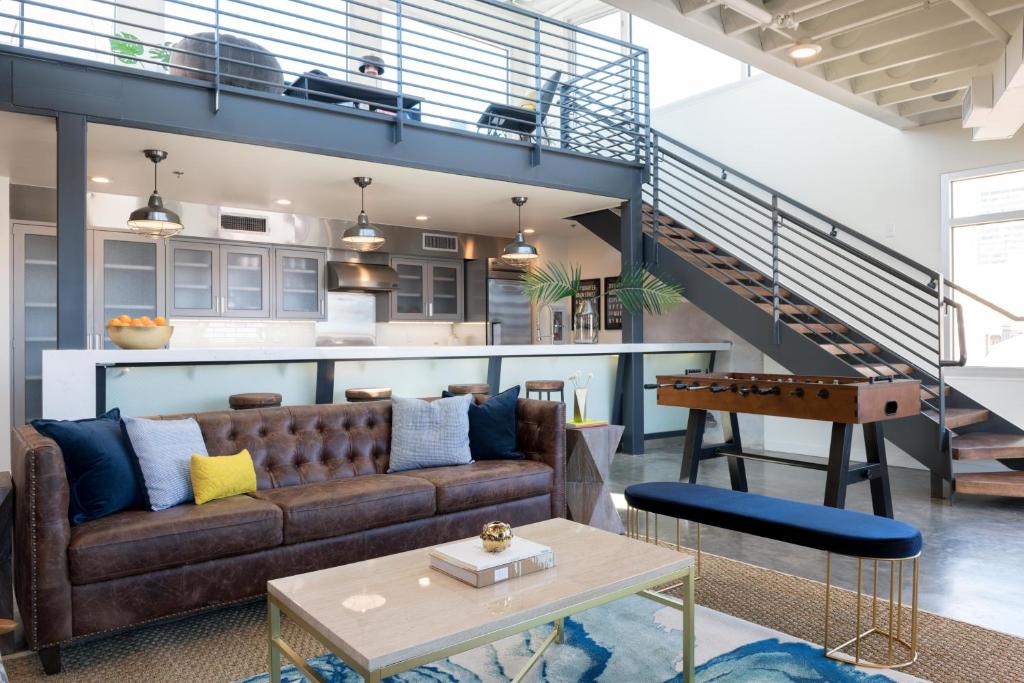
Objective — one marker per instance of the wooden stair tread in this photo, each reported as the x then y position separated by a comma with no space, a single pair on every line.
819,328
753,291
851,349
730,275
991,483
987,446
876,369
960,417
932,391
702,258
791,309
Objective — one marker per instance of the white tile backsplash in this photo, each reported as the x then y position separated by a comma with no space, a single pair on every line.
430,334
201,334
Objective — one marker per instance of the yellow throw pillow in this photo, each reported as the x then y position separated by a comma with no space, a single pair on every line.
221,476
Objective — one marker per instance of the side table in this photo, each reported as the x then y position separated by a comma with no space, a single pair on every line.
590,451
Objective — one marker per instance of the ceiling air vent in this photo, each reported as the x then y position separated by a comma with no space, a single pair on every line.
243,223
435,242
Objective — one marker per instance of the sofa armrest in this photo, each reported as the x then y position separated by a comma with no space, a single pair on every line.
42,533
541,432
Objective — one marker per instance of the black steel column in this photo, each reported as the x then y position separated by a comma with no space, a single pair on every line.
631,246
72,318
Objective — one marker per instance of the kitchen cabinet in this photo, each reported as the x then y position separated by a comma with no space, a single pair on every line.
207,279
35,314
428,289
128,279
299,284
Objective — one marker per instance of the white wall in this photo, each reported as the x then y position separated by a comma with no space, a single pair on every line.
6,258
848,166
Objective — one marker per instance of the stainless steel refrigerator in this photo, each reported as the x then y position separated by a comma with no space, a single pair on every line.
495,294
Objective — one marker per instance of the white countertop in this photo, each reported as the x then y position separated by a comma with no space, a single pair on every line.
273,355
70,376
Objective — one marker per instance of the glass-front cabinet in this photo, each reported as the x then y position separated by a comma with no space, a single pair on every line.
427,290
193,285
128,280
35,314
299,279
245,282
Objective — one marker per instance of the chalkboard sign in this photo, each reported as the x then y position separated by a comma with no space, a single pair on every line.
589,289
612,305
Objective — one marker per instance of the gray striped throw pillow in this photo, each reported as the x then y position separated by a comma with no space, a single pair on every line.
429,433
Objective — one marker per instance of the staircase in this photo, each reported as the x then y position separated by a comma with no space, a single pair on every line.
820,298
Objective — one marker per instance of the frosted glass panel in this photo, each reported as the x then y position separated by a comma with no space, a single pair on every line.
445,289
300,284
129,281
409,297
245,282
40,321
193,279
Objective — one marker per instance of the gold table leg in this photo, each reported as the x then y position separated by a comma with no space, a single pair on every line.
273,634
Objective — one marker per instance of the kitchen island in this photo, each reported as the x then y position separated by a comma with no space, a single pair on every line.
83,383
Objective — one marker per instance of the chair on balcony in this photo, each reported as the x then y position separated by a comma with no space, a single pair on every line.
243,63
506,118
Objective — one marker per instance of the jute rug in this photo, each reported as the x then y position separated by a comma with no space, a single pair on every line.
230,644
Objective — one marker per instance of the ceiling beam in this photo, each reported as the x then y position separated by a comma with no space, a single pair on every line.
909,51
695,6
906,93
734,22
926,69
867,13
928,104
983,20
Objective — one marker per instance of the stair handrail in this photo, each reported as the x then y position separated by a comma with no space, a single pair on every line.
798,222
983,301
888,251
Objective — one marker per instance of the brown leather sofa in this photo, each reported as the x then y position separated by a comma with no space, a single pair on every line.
323,500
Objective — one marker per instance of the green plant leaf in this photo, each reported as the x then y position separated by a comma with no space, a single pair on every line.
160,54
640,291
552,282
126,47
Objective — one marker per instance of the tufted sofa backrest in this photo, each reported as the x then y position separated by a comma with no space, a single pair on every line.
303,444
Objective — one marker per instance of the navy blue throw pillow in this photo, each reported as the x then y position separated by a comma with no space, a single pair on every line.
492,427
103,474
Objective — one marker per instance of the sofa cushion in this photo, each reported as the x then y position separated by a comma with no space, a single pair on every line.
140,541
486,483
344,506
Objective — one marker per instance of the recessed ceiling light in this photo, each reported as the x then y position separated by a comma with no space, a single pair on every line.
101,179
528,231
805,50
283,202
422,218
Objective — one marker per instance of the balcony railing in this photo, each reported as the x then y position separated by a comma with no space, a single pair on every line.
479,66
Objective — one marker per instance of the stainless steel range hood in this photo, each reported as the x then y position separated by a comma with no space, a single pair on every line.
343,276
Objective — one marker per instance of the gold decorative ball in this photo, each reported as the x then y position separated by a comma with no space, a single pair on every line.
497,536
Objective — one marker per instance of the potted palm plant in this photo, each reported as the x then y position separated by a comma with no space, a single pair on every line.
639,290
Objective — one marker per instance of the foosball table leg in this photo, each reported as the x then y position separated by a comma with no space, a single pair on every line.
737,466
838,464
692,446
874,446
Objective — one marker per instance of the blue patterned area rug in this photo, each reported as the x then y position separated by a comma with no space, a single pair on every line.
629,641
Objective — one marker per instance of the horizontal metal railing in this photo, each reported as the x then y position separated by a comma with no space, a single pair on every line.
479,66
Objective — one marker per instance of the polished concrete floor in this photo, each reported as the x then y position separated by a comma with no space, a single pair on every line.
972,567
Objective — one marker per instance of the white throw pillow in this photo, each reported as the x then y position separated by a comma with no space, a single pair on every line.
429,433
164,449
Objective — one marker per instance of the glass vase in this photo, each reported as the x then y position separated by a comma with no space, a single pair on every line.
585,322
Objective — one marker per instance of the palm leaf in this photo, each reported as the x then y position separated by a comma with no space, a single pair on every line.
640,291
552,282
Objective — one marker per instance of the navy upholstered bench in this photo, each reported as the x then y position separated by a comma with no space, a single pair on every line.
833,530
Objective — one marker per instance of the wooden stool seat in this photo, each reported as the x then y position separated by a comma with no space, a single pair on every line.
460,389
254,400
546,387
373,394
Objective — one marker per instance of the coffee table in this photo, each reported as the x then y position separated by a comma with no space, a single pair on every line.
391,614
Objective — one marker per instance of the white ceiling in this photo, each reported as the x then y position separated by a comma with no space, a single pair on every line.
253,177
904,62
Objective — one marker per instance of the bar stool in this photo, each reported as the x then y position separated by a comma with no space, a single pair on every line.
254,400
546,387
478,389
364,395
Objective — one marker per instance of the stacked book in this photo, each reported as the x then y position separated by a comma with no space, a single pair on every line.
467,561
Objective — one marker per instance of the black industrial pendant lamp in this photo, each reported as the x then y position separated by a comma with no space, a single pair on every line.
154,220
362,236
519,252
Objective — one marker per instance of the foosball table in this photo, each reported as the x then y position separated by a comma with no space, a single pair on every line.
843,401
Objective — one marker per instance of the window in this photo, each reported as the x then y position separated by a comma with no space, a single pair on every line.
986,218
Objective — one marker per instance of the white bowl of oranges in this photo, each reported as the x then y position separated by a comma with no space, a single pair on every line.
139,333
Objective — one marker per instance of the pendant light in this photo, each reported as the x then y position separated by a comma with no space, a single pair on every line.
519,252
362,236
154,220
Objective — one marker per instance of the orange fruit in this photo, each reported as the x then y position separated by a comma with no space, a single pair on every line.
144,318
124,318
113,322
160,320
149,323
137,323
